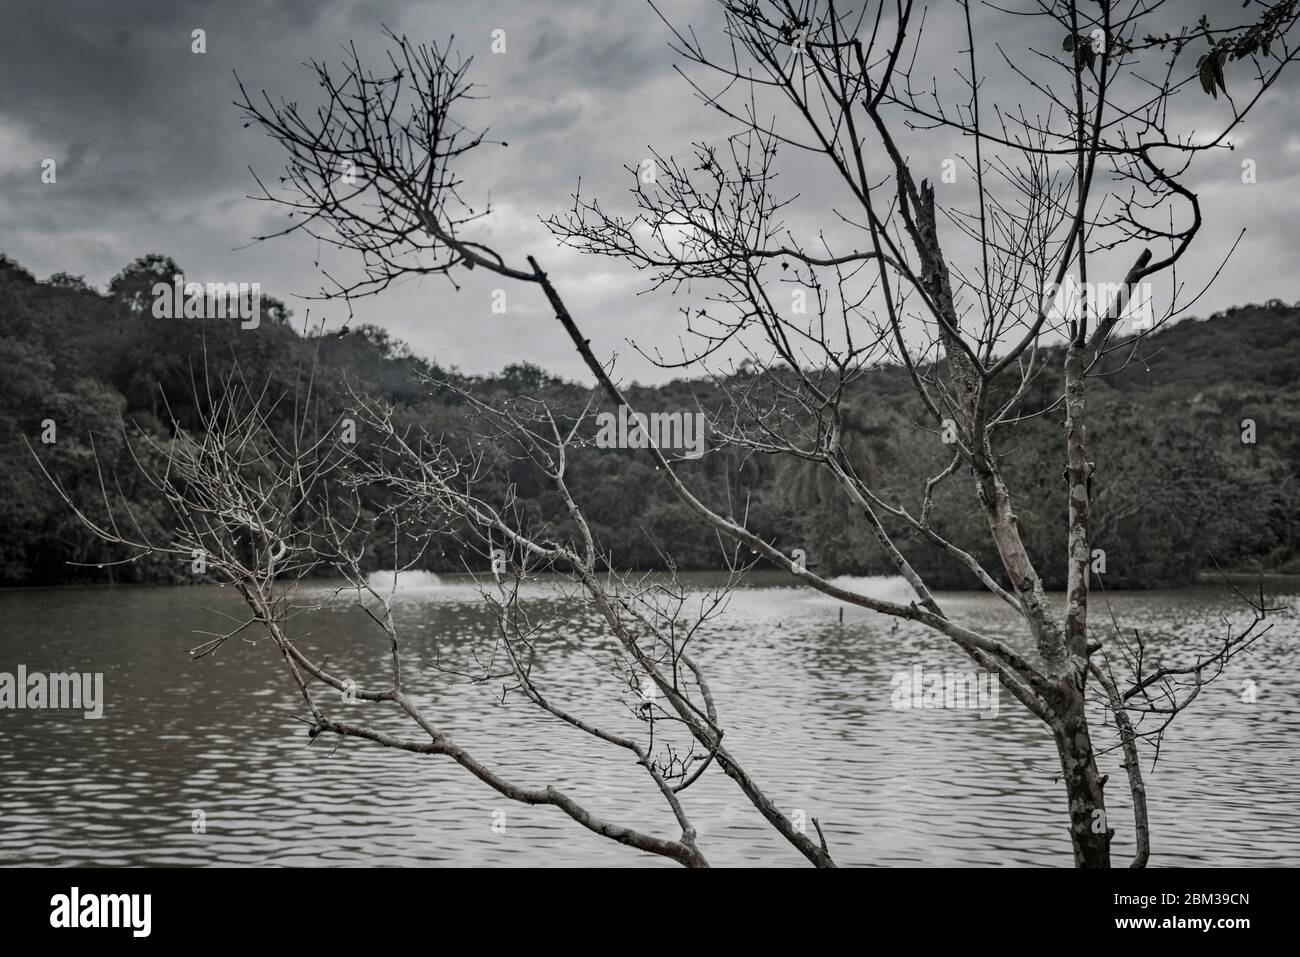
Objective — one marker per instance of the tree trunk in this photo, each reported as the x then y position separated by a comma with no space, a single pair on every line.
1090,832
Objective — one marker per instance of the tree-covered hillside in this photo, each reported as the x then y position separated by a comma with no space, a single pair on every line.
1175,482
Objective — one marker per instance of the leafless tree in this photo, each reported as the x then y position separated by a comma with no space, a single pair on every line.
265,513
1086,175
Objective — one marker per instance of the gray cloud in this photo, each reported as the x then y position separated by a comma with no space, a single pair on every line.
152,157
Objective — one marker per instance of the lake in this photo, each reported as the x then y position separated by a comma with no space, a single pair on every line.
805,698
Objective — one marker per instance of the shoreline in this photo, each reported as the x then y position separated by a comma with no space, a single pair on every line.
762,577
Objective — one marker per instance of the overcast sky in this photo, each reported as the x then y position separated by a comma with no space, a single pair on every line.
152,156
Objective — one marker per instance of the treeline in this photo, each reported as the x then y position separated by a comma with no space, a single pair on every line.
1176,487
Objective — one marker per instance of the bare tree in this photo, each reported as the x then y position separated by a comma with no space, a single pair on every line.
266,513
1086,175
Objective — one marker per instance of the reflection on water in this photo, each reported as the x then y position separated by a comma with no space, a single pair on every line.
805,699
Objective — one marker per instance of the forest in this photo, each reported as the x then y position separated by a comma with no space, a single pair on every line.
1196,428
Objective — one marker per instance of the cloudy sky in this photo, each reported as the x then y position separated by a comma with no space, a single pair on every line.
152,155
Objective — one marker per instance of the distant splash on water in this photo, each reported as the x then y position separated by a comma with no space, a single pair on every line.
884,587
382,581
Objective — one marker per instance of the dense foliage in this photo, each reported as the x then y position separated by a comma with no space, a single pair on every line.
1175,483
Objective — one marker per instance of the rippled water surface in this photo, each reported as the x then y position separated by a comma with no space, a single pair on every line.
805,698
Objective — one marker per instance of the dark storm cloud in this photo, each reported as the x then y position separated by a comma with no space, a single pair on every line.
152,156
